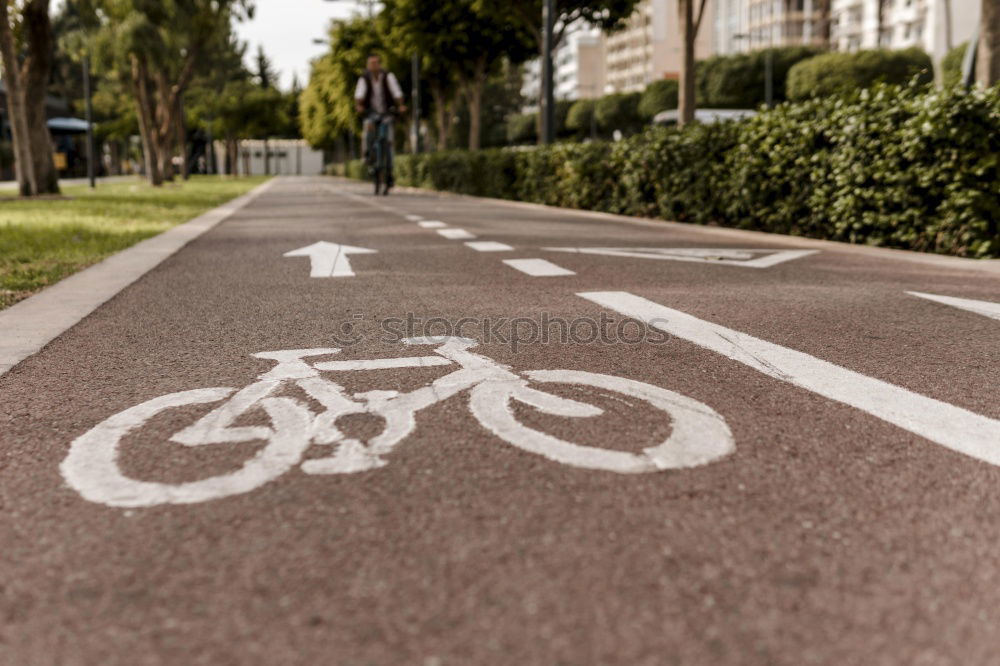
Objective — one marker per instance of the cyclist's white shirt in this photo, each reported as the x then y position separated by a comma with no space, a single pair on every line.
379,104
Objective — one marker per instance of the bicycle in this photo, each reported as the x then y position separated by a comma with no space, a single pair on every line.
699,435
379,152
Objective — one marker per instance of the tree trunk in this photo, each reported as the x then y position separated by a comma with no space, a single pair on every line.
267,158
442,116
15,105
686,102
37,69
988,60
164,129
474,98
144,112
181,138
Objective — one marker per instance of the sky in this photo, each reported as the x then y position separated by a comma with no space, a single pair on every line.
286,29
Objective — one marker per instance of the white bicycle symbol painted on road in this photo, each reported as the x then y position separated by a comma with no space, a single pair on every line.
698,434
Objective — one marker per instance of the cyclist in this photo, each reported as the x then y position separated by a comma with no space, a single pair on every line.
374,96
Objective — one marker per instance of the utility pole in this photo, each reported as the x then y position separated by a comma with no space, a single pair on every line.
548,88
89,116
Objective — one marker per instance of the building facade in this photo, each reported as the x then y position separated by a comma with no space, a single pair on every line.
932,25
649,48
750,25
577,69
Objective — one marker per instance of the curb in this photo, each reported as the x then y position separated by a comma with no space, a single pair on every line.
26,327
939,260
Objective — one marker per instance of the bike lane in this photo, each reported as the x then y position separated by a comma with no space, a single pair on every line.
827,536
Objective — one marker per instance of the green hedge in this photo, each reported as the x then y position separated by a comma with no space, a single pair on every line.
845,73
951,65
896,167
737,81
658,96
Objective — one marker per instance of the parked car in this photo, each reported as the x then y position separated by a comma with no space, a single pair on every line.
705,116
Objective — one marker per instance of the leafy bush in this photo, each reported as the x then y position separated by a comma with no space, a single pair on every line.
658,96
845,73
522,128
889,166
580,117
951,65
619,111
737,81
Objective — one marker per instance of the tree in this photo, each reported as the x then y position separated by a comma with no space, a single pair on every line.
27,87
164,44
606,15
463,38
265,74
988,57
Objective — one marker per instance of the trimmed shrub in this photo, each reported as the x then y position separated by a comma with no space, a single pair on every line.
951,65
845,73
658,96
889,166
522,128
619,111
580,117
737,81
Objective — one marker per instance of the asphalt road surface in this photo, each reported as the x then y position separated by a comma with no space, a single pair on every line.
743,450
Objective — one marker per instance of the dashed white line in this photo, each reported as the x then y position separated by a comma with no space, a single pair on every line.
538,267
413,218
456,234
985,308
432,224
950,426
489,246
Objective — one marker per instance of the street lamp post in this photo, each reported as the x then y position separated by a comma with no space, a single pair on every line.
415,101
548,87
89,117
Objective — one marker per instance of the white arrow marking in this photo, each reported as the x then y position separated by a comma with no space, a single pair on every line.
985,308
329,259
950,426
727,256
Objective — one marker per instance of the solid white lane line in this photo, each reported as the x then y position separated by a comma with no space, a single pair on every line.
538,267
432,224
456,234
489,246
953,427
985,308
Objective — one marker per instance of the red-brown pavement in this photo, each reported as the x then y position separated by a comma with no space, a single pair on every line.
830,534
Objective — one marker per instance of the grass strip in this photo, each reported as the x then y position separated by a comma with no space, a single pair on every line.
46,239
